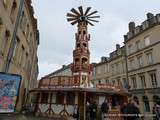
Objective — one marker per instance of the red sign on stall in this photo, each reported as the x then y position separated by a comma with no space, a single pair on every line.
108,86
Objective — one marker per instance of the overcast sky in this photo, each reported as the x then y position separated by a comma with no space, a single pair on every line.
57,35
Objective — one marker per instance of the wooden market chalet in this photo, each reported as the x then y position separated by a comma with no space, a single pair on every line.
59,95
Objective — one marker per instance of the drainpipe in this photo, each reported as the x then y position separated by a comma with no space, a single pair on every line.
13,40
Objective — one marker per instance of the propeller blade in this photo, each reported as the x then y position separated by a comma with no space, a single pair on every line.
81,10
93,20
94,17
92,13
90,23
87,10
75,11
71,15
74,22
71,19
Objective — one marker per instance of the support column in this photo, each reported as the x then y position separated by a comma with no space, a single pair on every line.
84,106
76,98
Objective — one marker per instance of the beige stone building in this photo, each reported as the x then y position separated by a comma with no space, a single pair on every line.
137,66
24,60
143,58
112,69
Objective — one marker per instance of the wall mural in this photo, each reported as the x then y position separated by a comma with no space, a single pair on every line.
9,89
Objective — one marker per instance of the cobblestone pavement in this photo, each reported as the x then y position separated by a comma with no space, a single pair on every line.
24,117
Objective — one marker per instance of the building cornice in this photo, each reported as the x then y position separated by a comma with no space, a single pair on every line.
158,63
152,22
140,50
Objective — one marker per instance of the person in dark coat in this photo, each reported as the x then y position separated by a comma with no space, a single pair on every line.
76,113
93,111
124,111
133,112
104,109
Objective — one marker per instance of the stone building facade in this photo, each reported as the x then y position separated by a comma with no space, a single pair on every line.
112,69
24,60
138,67
143,58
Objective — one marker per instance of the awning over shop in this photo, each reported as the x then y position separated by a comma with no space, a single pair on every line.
78,89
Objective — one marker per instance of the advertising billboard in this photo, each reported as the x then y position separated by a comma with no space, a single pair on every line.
9,89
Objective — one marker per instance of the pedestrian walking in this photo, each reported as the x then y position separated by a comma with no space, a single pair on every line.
76,112
133,112
104,109
87,110
93,111
158,111
124,111
154,112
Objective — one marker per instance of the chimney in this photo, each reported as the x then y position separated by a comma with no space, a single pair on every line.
103,59
150,15
131,26
63,66
125,38
117,46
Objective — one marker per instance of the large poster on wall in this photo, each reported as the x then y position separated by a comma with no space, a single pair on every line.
9,89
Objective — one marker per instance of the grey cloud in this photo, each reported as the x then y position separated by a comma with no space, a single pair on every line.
57,35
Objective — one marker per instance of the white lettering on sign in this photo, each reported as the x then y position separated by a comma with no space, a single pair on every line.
108,86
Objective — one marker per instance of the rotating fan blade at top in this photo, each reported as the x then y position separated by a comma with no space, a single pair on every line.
90,23
94,17
81,10
92,13
87,10
71,19
74,22
71,15
75,11
80,15
93,20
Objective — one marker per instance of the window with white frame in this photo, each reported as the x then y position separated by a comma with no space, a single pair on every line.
113,82
143,81
153,79
119,82
107,81
147,41
131,64
146,104
134,82
138,45
150,58
140,61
